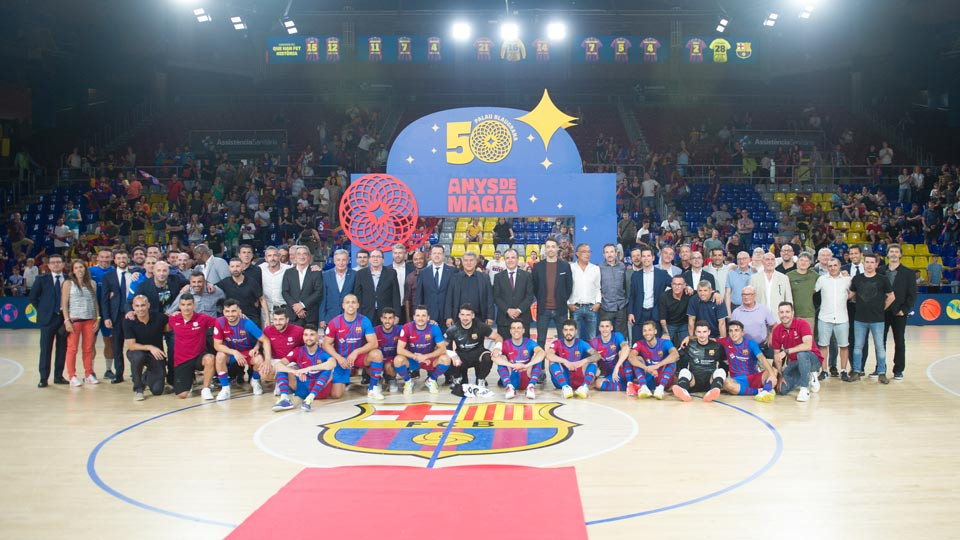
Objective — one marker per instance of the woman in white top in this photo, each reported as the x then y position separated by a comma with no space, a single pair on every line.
81,316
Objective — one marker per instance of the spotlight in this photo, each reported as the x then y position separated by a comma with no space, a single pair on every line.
238,23
509,31
722,27
202,16
771,19
806,12
556,31
290,26
461,31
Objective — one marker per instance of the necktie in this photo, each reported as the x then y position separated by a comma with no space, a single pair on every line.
123,286
436,275
56,287
513,283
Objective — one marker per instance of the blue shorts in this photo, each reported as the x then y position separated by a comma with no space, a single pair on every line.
341,375
104,331
754,380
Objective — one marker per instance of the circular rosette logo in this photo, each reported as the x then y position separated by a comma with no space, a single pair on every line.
378,211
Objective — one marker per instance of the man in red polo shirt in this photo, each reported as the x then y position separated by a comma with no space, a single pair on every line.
191,355
792,342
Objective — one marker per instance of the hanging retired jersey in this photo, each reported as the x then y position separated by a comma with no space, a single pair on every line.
591,47
513,50
433,49
542,47
333,49
313,49
720,47
621,49
387,341
374,49
403,49
696,47
483,46
650,48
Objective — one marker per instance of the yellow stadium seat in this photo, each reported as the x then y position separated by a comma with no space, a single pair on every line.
816,198
487,251
843,225
923,275
908,261
780,197
826,206
462,224
457,250
854,237
473,247
907,249
460,237
921,249
488,225
920,261
857,226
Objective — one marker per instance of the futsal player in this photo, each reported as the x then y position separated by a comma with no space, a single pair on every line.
519,362
421,345
701,363
467,337
654,360
572,357
311,367
352,342
283,337
613,373
742,357
189,329
237,340
388,333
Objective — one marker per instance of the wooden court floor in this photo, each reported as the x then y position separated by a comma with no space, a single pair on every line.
857,461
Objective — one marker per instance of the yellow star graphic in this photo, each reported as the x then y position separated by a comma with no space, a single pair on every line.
545,118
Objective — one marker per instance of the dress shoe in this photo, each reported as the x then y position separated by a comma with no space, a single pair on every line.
60,380
117,380
109,374
42,384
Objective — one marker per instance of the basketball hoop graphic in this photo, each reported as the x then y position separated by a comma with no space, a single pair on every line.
378,211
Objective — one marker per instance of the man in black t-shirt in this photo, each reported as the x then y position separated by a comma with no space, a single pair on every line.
144,344
160,292
247,292
673,311
874,294
466,338
703,366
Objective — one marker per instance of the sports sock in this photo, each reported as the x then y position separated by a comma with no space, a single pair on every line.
590,374
438,371
224,379
255,376
559,378
505,375
751,391
627,373
535,373
767,386
606,385
666,375
684,383
283,382
376,371
320,382
404,373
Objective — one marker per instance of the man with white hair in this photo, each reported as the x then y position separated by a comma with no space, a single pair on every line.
756,319
771,286
338,282
271,278
833,322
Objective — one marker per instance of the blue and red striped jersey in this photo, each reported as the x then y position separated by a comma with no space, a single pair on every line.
348,336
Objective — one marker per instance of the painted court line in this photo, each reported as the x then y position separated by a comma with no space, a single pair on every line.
446,433
935,381
13,379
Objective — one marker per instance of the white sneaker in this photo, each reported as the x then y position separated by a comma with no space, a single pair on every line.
376,393
408,388
814,383
206,394
393,386
803,395
257,387
223,394
658,392
138,396
432,386
482,383
510,392
583,391
91,379
531,391
567,391
74,381
644,392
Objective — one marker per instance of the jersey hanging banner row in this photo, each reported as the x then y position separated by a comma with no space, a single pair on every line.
304,49
721,50
619,49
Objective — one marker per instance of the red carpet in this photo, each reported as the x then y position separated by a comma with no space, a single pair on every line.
466,503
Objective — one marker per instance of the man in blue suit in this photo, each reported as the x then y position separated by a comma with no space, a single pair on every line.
45,297
114,306
647,284
432,284
337,283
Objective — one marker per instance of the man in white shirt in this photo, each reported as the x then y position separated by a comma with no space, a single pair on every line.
271,272
718,268
649,188
584,302
670,224
666,262
833,320
496,265
771,286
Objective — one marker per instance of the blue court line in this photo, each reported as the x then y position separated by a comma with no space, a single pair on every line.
92,471
446,433
757,474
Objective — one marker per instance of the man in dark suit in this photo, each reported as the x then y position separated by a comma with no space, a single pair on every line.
695,274
338,282
377,287
302,289
904,284
114,306
470,286
552,284
45,297
433,283
645,295
852,269
403,268
513,295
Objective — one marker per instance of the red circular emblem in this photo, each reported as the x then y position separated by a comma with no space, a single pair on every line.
378,211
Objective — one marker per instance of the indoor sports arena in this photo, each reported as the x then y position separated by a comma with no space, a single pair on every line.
585,268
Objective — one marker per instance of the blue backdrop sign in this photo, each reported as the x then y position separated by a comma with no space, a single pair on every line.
482,161
17,312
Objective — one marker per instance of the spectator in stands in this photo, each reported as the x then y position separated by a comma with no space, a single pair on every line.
934,274
649,189
503,234
15,283
627,232
745,227
17,234
886,159
904,187
474,231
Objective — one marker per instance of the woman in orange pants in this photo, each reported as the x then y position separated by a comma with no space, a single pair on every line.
81,315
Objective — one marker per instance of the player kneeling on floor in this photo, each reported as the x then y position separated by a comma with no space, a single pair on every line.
237,340
614,372
742,357
702,362
519,362
572,362
351,340
388,333
307,371
421,345
467,337
654,362
190,355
